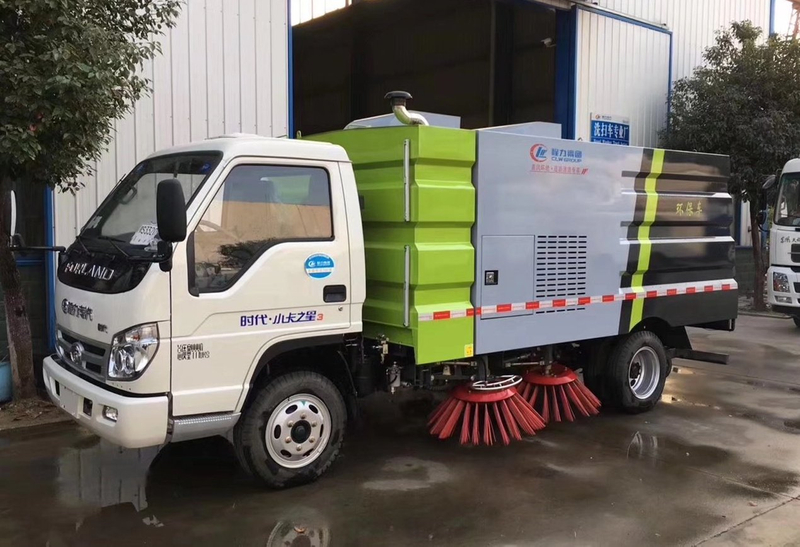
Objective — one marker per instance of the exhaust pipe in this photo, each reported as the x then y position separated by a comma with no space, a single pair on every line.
398,101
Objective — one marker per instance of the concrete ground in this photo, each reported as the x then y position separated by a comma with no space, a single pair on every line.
717,463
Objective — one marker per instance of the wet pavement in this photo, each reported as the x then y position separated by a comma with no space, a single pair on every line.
718,463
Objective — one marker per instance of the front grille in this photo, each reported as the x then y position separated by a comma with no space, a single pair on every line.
560,268
93,357
795,252
97,350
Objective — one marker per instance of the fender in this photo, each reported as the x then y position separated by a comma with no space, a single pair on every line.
279,348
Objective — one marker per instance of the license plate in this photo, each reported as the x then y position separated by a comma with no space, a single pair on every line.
69,400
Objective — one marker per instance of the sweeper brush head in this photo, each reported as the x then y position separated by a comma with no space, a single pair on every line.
555,391
486,411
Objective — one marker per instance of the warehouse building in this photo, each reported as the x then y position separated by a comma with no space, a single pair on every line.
603,70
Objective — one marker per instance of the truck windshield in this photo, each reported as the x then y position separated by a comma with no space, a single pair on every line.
128,214
787,211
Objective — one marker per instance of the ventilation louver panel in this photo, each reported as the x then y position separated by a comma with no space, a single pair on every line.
560,269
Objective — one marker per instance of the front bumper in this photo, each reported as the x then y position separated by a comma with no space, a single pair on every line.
784,300
141,421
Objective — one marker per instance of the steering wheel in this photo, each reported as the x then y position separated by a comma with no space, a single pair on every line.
218,228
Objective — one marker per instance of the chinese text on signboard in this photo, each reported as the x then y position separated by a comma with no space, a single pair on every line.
610,129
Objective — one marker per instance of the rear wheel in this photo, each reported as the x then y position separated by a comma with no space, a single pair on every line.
292,431
637,370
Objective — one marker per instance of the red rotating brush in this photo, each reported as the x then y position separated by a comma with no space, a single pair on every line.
555,390
488,411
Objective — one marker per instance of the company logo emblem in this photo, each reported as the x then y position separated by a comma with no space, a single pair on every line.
319,266
75,353
558,161
539,153
73,309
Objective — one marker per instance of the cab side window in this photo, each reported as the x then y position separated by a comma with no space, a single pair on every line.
258,206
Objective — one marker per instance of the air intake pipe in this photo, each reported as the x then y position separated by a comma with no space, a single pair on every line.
398,101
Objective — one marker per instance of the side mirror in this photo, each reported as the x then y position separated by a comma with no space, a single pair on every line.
171,211
761,216
770,182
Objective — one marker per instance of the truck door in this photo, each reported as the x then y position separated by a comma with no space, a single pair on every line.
267,260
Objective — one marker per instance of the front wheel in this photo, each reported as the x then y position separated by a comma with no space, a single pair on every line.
637,370
796,320
292,431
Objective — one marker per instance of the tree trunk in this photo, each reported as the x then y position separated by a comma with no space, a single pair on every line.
20,347
758,259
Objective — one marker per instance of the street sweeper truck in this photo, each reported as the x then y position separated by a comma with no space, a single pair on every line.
254,288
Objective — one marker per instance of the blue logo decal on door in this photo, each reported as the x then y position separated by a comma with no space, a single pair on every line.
319,266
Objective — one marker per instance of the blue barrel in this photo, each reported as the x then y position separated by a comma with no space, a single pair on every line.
5,382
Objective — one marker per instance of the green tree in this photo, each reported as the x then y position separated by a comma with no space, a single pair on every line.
743,102
68,69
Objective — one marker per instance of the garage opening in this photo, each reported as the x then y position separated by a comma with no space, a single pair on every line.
491,62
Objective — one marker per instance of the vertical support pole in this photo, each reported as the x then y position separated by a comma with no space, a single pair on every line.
50,263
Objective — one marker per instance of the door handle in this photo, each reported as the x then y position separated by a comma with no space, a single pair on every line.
334,293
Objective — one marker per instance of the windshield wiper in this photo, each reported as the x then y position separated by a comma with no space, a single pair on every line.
151,259
79,238
109,238
112,240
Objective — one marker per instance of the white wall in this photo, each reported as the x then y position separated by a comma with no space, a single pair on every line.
622,70
693,22
223,69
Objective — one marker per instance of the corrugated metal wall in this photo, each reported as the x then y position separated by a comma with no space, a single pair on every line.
223,69
693,22
622,70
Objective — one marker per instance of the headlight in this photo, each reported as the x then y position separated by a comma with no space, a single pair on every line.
780,282
132,351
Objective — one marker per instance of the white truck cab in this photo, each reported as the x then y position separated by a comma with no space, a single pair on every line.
784,255
157,345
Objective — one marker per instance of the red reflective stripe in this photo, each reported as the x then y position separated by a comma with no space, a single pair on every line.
501,308
672,292
691,290
531,305
560,303
470,312
726,287
438,315
652,294
584,300
477,311
630,296
708,288
608,298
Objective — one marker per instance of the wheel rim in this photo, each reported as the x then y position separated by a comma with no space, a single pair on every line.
643,373
298,430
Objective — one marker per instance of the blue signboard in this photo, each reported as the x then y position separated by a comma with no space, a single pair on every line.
610,130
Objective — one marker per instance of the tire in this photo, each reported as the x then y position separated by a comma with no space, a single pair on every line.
796,320
314,407
640,352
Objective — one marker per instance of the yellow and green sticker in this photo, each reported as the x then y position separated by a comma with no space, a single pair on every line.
643,235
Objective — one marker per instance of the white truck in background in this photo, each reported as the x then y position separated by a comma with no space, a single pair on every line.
783,276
